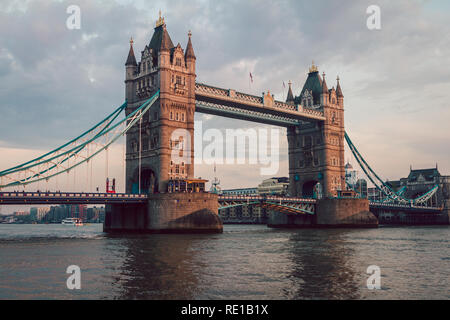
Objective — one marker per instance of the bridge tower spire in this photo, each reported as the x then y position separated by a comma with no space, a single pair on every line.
324,95
339,94
290,95
130,70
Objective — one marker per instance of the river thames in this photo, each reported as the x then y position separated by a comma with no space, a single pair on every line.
245,262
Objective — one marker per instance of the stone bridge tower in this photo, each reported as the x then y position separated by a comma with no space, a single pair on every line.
316,149
168,127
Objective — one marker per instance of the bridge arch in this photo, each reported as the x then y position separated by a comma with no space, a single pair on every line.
308,188
149,181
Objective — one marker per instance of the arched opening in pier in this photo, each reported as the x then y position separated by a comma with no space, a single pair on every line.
308,189
149,181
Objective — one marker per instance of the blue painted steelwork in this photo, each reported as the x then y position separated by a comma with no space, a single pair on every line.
237,205
286,204
24,166
243,114
37,174
294,209
381,185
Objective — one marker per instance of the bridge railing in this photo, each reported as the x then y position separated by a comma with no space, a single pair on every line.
265,198
405,206
69,195
251,99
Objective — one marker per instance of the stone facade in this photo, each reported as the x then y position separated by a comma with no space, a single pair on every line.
316,149
160,147
166,213
330,213
345,213
168,127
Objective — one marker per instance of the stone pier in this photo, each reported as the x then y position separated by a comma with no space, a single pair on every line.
330,213
166,213
447,209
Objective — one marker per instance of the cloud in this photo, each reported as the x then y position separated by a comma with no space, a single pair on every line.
56,83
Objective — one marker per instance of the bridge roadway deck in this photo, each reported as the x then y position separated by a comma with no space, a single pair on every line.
405,207
35,198
265,198
26,198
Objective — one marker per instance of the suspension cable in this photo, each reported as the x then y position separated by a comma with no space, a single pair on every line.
140,152
129,121
385,188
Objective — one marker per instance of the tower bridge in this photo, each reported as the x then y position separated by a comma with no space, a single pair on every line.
162,96
315,119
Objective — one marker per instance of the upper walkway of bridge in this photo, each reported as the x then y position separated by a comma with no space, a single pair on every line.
263,109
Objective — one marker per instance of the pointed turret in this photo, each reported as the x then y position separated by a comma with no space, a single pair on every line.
340,96
325,94
130,69
290,96
166,42
338,89
189,49
131,60
324,84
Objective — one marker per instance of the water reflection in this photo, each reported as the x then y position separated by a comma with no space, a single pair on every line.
321,265
159,267
245,262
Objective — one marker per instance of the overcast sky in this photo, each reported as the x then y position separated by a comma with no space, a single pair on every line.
55,83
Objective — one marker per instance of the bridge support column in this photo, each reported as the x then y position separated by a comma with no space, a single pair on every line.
167,213
329,213
351,213
446,210
125,218
282,220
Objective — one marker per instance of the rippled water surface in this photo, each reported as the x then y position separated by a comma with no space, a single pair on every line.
245,262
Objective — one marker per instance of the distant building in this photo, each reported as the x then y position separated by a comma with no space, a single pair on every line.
361,188
95,215
57,213
351,176
241,191
419,182
78,211
33,213
38,214
21,213
274,186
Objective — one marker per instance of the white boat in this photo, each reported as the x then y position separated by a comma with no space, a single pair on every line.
72,221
